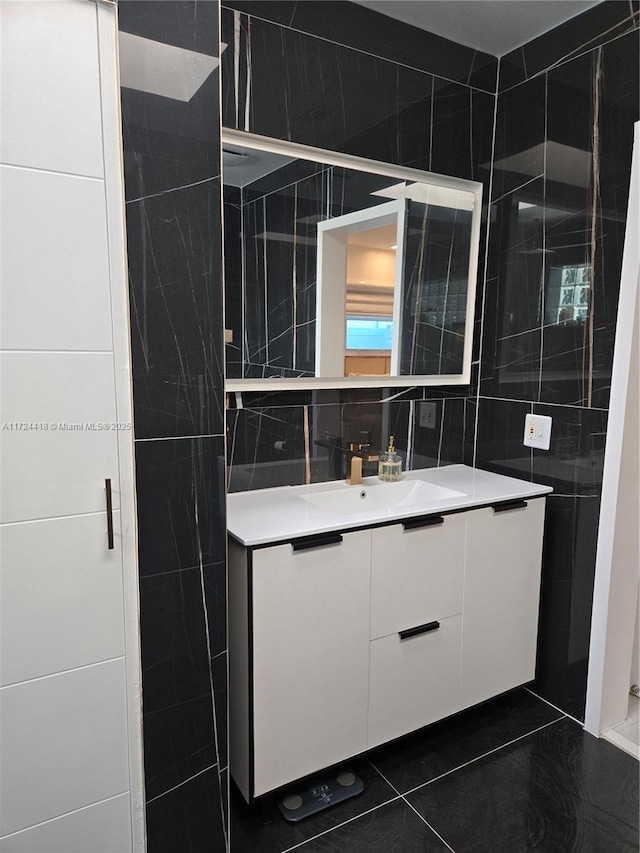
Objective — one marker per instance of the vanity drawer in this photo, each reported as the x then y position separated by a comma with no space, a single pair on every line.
416,572
414,681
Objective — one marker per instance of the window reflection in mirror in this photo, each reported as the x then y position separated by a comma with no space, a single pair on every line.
344,273
371,260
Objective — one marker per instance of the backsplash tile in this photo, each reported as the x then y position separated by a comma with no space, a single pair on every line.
499,438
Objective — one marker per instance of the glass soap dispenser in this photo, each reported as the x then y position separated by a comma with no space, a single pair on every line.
390,464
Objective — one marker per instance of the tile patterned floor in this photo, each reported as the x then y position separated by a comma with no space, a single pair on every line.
511,776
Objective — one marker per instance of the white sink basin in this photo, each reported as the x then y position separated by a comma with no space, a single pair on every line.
379,496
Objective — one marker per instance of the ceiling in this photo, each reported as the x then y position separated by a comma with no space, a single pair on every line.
493,26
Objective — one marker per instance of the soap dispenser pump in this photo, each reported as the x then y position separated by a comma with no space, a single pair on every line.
390,464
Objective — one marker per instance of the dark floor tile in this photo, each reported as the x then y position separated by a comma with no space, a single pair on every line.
262,829
394,828
188,819
558,790
440,748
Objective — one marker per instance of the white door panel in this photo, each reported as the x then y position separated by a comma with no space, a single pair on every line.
74,596
58,297
63,742
50,96
101,828
51,470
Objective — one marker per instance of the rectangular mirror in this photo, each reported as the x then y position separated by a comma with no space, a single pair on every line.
341,271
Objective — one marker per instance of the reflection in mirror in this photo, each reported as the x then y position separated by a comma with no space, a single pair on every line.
546,277
343,271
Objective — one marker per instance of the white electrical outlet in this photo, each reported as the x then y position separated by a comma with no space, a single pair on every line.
428,413
537,431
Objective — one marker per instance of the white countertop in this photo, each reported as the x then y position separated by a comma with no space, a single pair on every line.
264,516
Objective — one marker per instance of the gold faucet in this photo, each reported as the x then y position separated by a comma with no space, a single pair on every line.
358,453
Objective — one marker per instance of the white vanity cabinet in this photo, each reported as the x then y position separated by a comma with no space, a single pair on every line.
501,598
308,656
343,640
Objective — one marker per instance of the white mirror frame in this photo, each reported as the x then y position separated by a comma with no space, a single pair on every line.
347,161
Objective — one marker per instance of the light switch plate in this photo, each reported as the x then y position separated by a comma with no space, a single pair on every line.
428,413
537,431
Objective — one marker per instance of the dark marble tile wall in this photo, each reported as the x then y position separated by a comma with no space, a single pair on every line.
281,82
597,26
359,29
560,190
562,162
173,214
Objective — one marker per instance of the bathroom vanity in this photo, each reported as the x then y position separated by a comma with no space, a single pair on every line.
358,614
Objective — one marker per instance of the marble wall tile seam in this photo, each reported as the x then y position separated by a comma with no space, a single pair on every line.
520,187
191,437
554,46
426,392
484,286
541,403
379,34
573,56
573,495
213,178
180,784
195,567
367,53
210,665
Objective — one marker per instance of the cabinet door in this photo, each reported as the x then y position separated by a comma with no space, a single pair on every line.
501,597
310,652
414,679
416,572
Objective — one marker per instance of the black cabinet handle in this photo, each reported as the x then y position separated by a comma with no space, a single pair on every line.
507,505
420,629
107,489
316,541
426,521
